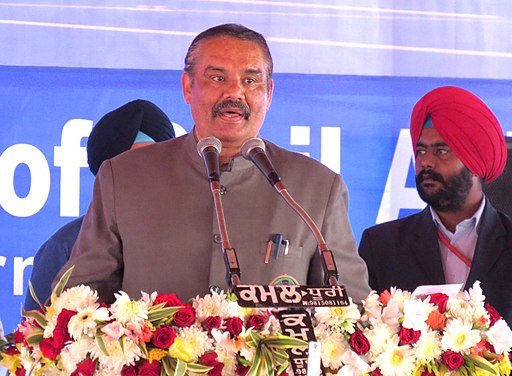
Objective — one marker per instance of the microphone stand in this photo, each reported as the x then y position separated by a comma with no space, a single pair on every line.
230,259
328,263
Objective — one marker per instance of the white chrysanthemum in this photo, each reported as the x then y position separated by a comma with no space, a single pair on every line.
459,308
378,337
72,299
428,347
215,305
128,311
333,347
118,356
459,336
396,360
227,355
500,336
195,340
400,296
271,327
85,321
75,352
416,314
340,319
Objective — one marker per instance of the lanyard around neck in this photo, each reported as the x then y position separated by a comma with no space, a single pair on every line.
452,249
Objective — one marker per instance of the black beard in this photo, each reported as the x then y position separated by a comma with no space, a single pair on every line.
231,103
453,191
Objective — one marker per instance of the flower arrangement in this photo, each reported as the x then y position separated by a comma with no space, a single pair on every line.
398,334
392,334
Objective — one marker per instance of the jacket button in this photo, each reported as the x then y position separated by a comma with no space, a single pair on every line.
217,239
223,190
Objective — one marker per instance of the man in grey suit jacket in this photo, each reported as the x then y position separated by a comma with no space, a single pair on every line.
459,237
151,225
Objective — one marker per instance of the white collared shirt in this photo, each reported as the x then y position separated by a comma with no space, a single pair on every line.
464,239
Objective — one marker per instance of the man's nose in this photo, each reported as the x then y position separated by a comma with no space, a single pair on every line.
234,89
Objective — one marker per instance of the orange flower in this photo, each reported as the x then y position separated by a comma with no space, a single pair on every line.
385,297
436,320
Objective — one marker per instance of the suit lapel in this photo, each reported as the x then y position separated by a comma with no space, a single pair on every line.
424,246
489,246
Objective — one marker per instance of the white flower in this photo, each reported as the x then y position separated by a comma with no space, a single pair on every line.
353,364
127,311
216,305
118,355
85,321
428,347
390,315
378,336
195,340
341,319
113,330
371,307
416,314
500,336
333,347
459,336
75,352
396,360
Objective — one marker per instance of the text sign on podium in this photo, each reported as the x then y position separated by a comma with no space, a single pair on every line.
291,296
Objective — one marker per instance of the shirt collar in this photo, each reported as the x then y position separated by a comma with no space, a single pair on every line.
471,224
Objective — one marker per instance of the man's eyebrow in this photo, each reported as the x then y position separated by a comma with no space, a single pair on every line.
214,68
434,145
254,71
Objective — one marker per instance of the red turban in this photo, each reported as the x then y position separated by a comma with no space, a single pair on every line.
467,126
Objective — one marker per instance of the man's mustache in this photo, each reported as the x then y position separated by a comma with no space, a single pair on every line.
229,103
428,174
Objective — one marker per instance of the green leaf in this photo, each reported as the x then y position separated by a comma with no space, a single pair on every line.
483,365
162,313
256,365
101,344
37,316
279,356
198,368
63,282
34,295
167,365
35,338
284,342
181,368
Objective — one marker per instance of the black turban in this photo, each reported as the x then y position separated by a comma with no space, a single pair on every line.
115,132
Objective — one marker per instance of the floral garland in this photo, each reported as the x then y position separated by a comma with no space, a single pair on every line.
395,334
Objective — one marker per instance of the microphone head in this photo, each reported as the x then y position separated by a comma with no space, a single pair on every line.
251,144
206,142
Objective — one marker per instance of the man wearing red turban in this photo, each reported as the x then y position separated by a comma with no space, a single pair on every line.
459,237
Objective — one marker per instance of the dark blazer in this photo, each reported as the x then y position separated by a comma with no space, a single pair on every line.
405,253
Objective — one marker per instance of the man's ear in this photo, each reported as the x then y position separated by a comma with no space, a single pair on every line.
186,84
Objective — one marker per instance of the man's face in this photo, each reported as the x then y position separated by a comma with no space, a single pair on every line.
442,180
229,91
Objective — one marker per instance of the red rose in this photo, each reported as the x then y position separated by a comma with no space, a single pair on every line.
409,336
185,316
85,368
47,349
212,322
64,316
440,300
234,325
18,337
60,337
359,343
210,360
428,373
12,350
376,372
164,337
493,314
21,371
129,371
452,359
284,373
170,300
149,369
241,370
257,321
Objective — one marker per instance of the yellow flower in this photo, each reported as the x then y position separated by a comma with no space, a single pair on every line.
504,365
157,354
11,362
179,350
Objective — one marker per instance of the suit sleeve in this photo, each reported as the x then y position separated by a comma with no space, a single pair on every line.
366,252
97,254
340,239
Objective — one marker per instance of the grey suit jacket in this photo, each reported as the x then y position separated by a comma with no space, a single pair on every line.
151,225
405,253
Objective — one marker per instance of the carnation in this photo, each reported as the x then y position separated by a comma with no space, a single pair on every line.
128,311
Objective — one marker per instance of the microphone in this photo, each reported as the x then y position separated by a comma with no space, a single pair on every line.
209,149
253,149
